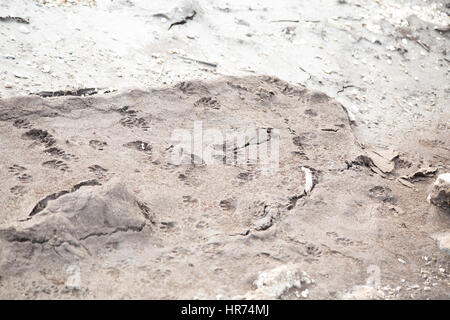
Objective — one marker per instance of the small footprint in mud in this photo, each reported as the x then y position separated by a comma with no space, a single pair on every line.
246,176
22,124
311,112
57,152
18,190
131,120
208,102
190,201
25,178
186,177
228,204
188,87
18,171
383,194
99,171
97,145
342,240
125,110
167,225
134,122
56,164
332,234
313,250
40,136
402,163
434,143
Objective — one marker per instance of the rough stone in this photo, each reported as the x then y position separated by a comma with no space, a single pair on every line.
273,283
440,194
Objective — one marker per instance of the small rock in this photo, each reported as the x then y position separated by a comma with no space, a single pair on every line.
440,195
305,293
8,85
444,243
273,283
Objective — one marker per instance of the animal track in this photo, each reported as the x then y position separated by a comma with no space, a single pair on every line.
342,240
190,201
303,139
238,86
188,87
133,122
56,164
40,136
57,152
313,250
97,145
402,163
126,111
18,171
208,102
167,225
311,112
228,204
99,171
247,176
18,190
22,124
25,178
433,143
332,234
383,194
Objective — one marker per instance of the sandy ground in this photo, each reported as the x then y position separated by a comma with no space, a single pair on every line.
360,52
383,60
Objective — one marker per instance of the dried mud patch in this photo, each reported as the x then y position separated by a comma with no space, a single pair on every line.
149,219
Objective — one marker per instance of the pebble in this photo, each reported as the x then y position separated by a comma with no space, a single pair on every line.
305,293
440,194
8,85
